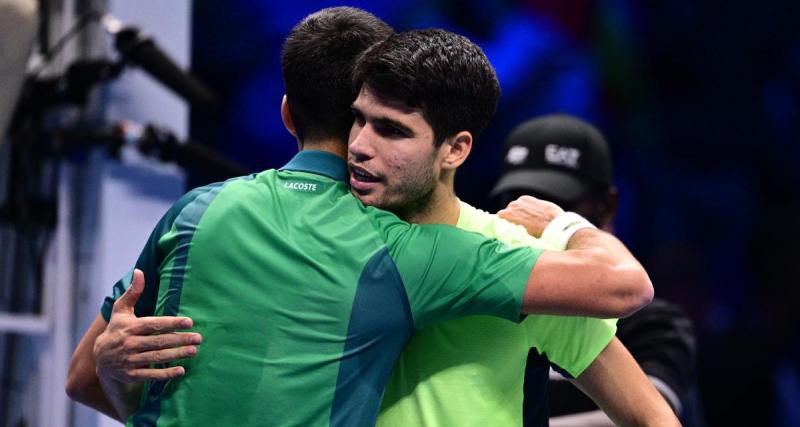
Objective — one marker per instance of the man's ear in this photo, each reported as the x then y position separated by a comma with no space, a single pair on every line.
456,149
286,116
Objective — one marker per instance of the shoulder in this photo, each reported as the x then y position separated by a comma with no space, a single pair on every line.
473,219
199,198
491,225
198,192
414,240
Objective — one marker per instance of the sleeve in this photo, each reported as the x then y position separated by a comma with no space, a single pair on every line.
661,338
450,273
150,258
569,343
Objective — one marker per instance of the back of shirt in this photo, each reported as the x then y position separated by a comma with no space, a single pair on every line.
267,267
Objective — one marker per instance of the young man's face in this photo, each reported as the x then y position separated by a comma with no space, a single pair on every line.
393,162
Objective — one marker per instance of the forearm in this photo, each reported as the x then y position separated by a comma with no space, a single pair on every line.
595,276
618,386
113,359
616,276
598,418
583,419
124,398
604,246
617,266
648,411
586,282
83,386
91,394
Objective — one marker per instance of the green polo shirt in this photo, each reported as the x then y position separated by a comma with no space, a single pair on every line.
470,371
304,296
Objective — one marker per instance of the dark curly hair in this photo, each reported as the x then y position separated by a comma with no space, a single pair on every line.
443,75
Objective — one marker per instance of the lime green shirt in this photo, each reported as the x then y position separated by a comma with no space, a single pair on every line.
470,371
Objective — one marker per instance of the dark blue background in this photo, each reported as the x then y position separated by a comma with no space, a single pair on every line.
699,101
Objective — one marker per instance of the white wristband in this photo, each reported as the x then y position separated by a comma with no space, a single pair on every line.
562,227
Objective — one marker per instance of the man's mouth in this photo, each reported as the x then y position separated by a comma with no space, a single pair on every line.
361,180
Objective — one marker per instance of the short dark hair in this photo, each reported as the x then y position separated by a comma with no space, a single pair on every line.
442,74
317,64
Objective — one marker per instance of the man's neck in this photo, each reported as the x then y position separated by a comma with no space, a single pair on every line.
333,146
443,208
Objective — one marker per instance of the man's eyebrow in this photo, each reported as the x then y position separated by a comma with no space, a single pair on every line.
384,121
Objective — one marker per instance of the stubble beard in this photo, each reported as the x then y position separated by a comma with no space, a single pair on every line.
414,194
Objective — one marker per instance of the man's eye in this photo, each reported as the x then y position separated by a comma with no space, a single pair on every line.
358,117
391,131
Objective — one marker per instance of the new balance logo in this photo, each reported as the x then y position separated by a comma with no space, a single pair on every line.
517,154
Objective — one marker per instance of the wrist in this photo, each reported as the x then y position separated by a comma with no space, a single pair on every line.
563,227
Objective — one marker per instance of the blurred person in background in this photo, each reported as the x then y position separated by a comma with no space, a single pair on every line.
566,160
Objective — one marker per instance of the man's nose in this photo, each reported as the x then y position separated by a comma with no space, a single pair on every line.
360,144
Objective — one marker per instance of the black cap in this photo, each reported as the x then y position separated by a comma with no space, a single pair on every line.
559,156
